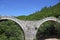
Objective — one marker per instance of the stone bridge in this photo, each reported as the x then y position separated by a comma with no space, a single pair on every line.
29,28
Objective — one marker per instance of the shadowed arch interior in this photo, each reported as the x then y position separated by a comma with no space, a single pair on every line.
49,24
2,20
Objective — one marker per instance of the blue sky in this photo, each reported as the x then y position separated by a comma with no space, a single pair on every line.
23,7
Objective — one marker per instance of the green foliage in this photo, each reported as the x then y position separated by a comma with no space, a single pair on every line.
49,29
9,30
45,12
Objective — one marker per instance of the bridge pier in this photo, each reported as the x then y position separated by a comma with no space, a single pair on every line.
30,35
30,28
30,31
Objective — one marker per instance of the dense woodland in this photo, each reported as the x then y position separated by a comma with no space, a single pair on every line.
9,30
45,12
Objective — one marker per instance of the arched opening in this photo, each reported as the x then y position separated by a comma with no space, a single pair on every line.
10,30
49,29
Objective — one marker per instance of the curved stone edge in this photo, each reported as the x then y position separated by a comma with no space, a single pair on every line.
29,26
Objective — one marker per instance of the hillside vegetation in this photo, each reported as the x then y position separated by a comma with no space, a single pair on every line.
9,30
45,12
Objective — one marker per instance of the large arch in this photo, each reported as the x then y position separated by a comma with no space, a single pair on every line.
15,20
45,20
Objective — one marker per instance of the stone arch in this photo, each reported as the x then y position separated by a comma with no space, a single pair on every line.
45,20
17,21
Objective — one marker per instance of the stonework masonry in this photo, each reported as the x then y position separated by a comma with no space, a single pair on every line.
29,28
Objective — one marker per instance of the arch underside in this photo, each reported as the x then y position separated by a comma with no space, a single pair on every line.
4,19
48,19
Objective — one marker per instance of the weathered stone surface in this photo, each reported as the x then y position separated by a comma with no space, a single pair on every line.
29,27
52,39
